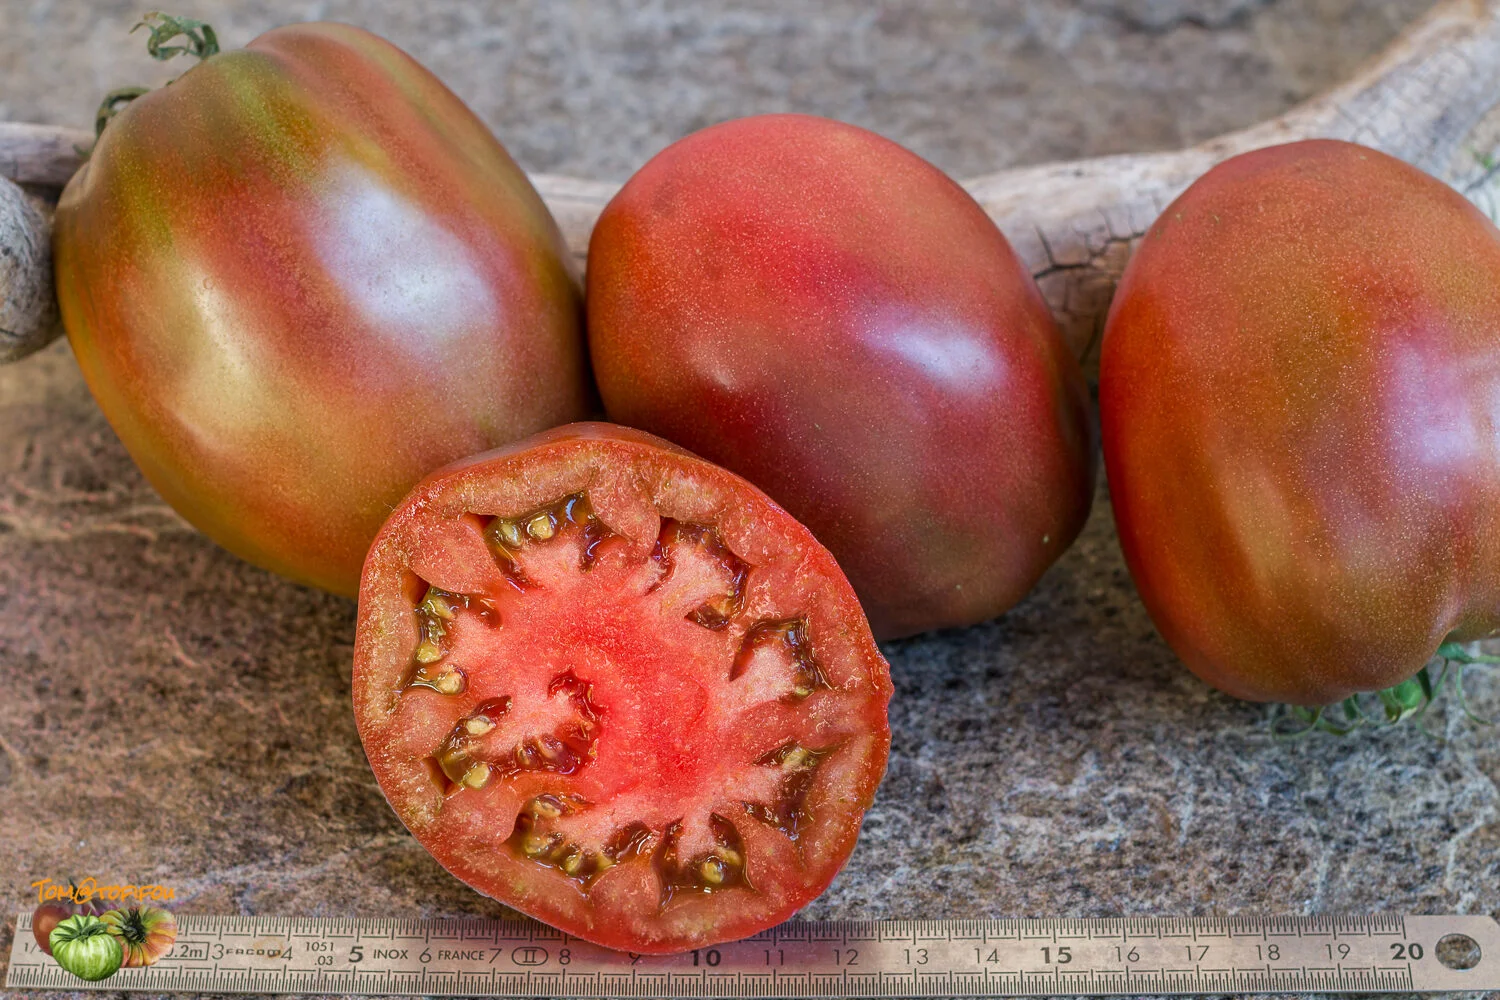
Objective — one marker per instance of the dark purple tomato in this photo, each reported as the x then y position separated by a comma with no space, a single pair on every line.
830,316
1300,397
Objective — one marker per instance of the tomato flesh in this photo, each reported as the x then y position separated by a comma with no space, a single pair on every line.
616,687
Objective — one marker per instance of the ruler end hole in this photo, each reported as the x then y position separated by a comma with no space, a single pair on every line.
1459,952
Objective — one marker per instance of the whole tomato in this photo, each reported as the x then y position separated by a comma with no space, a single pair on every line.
830,316
82,945
146,933
303,276
49,914
1300,399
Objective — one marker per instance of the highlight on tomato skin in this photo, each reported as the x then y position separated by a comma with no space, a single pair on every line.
619,689
1297,393
825,313
301,277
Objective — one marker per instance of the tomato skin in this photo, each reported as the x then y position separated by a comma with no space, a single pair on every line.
53,912
827,314
301,277
146,933
468,838
1297,394
82,945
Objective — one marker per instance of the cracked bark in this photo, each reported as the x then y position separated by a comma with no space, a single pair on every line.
1431,98
28,307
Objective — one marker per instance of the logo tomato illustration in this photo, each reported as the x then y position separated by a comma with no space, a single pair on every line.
146,933
83,945
53,912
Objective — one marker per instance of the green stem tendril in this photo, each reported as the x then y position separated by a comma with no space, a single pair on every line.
1408,700
200,38
1452,652
199,41
111,105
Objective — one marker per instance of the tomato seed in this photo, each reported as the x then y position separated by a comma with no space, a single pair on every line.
478,725
539,845
437,603
546,805
450,682
508,533
454,763
478,775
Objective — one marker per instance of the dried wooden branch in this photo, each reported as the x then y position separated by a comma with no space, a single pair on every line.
43,156
1432,99
28,307
1422,100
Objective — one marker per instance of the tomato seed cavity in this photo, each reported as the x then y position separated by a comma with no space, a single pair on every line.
483,747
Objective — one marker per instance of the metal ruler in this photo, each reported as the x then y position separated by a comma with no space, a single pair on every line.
903,958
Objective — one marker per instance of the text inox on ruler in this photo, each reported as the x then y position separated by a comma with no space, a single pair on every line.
518,958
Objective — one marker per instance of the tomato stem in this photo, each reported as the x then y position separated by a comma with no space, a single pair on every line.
201,41
1452,652
1455,652
1408,700
111,105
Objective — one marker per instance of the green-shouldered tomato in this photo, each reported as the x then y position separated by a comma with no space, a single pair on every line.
82,945
303,276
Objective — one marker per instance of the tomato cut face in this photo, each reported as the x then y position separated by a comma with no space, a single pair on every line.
616,687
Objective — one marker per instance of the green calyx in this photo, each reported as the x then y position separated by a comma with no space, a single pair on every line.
129,924
78,927
199,40
1389,707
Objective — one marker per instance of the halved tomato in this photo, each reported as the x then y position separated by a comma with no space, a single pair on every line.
618,688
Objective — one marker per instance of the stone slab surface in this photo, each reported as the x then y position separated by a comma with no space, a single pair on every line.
169,714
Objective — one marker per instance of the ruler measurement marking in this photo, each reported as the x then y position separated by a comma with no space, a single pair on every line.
892,958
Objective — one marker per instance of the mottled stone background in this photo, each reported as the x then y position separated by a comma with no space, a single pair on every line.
169,714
